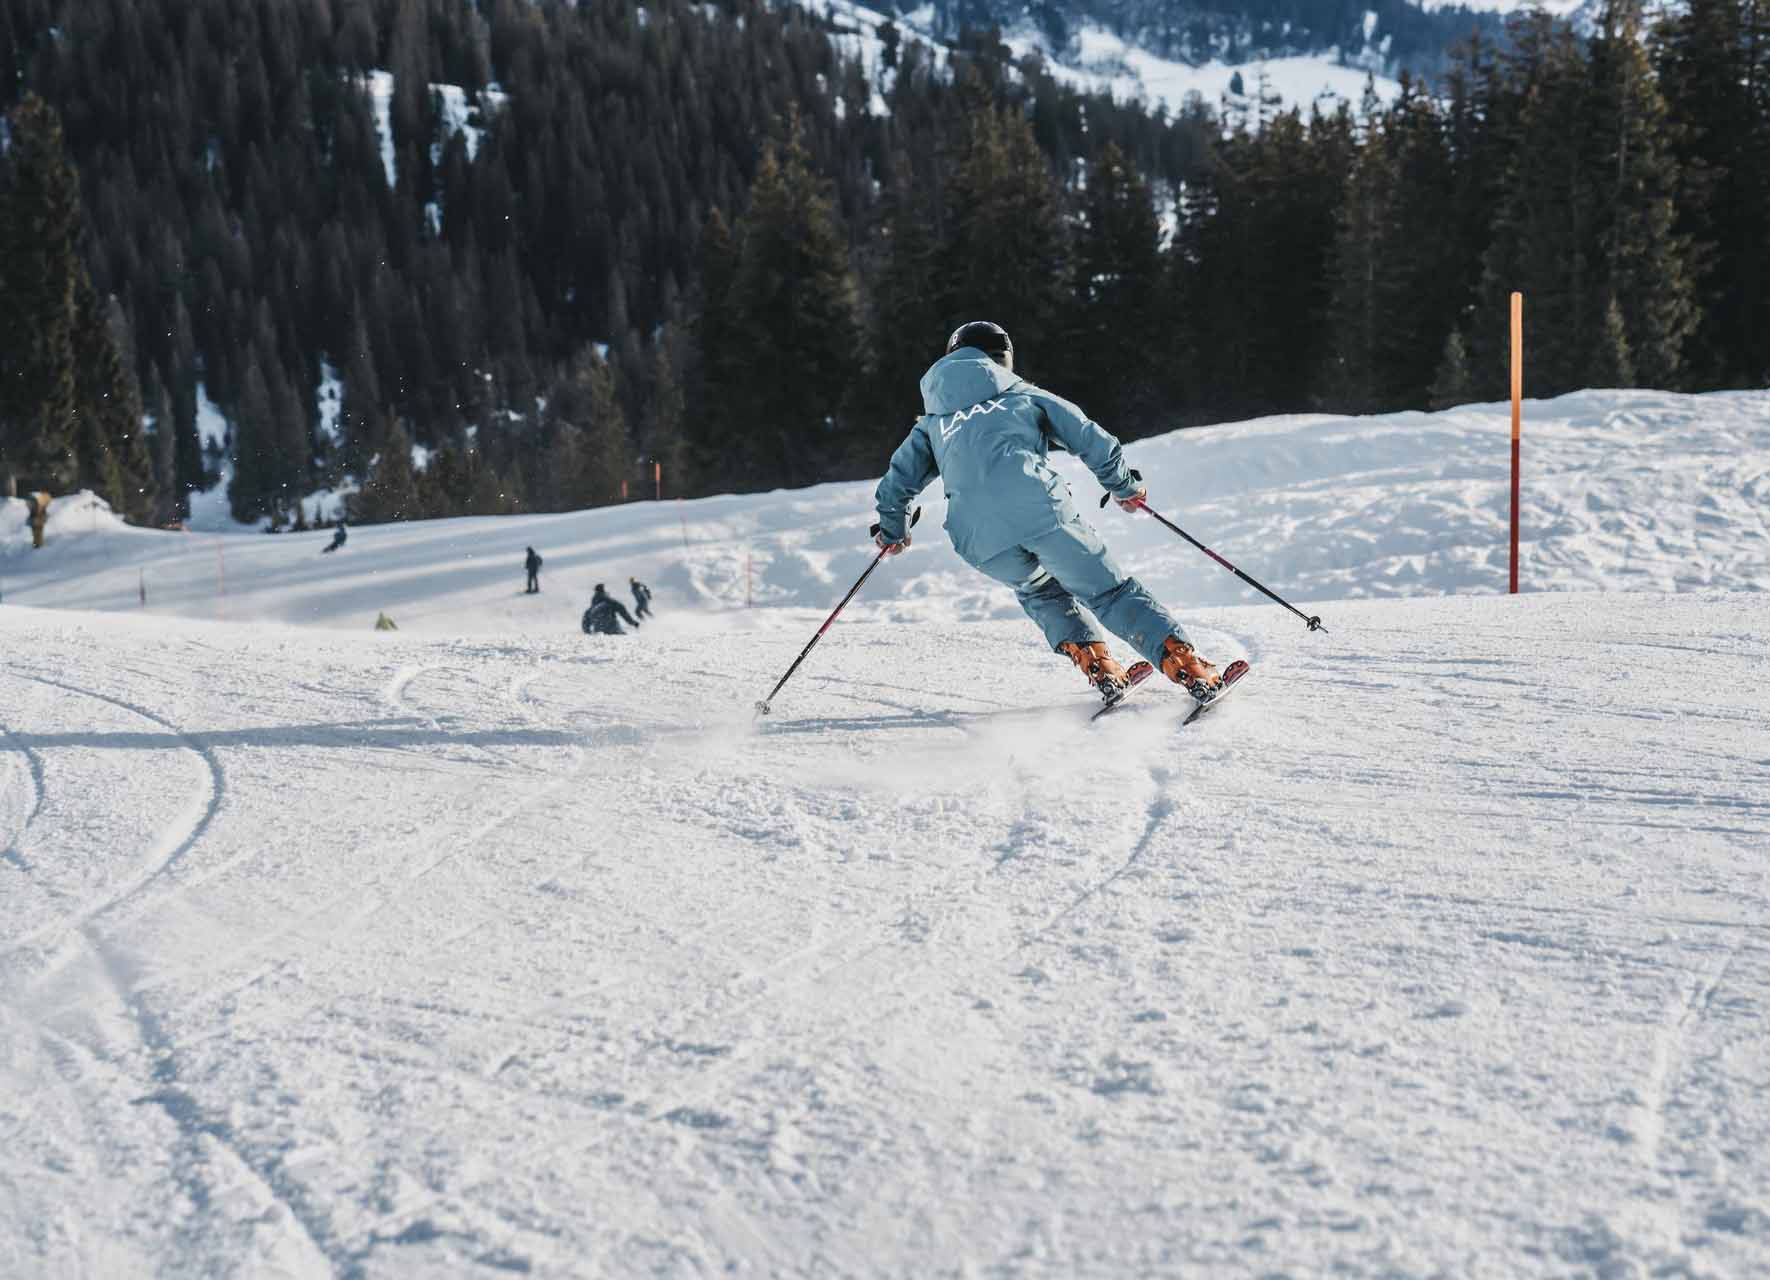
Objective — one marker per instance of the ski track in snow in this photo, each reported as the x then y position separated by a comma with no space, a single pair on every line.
485,946
179,837
770,1004
27,813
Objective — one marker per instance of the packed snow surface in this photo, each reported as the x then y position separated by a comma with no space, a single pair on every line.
485,947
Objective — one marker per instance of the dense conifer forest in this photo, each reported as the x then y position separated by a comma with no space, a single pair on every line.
604,238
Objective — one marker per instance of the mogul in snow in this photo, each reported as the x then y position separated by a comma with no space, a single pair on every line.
987,434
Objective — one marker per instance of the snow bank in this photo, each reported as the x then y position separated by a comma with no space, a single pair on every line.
74,517
1623,490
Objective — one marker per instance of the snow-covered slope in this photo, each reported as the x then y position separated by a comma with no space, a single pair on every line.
1623,490
1099,61
493,949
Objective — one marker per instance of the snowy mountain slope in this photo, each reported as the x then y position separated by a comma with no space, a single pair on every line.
1098,60
1623,490
499,949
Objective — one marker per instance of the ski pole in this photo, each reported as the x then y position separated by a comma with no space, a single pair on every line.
1314,623
762,707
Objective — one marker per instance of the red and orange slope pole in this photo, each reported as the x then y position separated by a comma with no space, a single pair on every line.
1517,422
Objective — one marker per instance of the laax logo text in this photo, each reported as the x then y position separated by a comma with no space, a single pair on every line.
952,424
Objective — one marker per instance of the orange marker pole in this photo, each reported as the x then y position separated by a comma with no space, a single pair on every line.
1517,422
657,475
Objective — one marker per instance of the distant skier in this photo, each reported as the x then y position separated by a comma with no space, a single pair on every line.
641,598
533,565
338,537
604,614
986,433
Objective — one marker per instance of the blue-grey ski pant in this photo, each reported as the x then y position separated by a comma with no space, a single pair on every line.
1056,574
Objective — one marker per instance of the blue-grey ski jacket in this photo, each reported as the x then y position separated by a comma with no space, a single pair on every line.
987,434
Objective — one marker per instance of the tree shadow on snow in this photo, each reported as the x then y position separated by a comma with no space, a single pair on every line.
961,720
385,734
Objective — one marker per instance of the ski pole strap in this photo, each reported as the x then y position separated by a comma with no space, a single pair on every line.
1136,478
873,530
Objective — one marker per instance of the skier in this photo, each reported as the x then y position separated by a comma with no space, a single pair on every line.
986,433
338,537
641,598
533,565
601,617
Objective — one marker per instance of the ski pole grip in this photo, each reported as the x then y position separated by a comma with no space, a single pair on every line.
873,531
1136,478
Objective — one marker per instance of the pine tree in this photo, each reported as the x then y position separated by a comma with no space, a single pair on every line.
1713,63
1396,274
39,268
252,491
1007,255
794,334
1645,258
110,443
1546,230
1452,385
181,375
1611,362
391,491
157,406
362,417
1118,270
1356,312
592,447
665,443
909,309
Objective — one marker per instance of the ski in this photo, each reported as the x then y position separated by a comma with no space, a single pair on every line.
1232,675
1136,675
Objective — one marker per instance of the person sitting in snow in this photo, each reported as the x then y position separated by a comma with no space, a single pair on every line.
533,565
986,434
338,537
604,614
641,598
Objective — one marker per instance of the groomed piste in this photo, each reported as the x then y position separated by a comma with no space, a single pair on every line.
487,947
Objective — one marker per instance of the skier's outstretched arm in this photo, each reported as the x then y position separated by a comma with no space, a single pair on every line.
912,470
622,610
1097,447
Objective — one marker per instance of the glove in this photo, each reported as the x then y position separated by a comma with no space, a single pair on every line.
889,547
1136,502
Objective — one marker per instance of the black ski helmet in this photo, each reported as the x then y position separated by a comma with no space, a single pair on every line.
991,339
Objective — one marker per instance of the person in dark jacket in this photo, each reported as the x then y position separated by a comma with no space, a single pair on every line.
533,565
604,615
641,598
338,537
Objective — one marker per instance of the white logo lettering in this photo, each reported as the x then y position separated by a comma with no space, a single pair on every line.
952,424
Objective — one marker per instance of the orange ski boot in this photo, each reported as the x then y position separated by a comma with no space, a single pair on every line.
1096,662
1182,665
